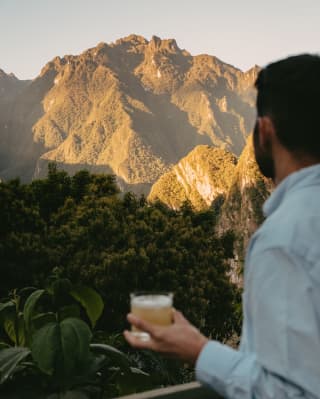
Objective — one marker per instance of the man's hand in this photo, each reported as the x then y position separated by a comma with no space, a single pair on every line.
181,339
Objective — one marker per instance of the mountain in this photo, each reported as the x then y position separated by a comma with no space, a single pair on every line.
10,89
10,86
200,178
133,108
212,177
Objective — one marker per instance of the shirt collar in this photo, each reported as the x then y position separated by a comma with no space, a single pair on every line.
302,178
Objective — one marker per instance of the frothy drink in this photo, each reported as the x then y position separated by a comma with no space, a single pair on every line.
154,308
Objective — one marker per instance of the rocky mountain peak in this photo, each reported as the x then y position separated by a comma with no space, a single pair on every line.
165,45
132,39
2,73
102,46
6,76
134,108
53,66
10,86
249,77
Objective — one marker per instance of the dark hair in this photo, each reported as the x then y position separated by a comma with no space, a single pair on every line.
289,93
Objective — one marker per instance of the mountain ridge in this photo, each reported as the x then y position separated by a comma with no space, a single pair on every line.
133,108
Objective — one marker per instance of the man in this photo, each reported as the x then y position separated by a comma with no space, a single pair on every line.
279,355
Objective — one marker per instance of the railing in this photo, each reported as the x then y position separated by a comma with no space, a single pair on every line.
193,390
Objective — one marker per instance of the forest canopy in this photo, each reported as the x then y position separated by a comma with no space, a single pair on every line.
116,243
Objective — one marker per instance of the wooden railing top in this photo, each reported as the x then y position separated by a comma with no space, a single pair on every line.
192,390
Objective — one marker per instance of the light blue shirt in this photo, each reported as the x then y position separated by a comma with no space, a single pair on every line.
279,355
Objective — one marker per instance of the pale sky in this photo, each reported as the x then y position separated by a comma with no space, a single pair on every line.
240,32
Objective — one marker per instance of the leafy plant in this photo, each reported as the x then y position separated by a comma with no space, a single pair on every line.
116,244
44,339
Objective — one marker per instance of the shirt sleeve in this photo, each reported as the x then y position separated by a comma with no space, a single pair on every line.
237,375
275,303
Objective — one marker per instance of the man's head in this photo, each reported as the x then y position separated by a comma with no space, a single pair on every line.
288,104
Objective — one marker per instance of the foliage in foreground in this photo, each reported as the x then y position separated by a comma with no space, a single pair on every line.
46,348
117,243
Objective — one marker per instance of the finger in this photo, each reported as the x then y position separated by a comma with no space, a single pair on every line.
137,342
179,318
140,324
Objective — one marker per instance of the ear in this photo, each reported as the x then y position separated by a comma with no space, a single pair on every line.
267,133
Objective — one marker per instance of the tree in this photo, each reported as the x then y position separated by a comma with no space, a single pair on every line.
116,244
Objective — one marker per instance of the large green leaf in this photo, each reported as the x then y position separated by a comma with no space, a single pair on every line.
62,348
45,346
29,307
6,308
9,359
14,327
116,357
9,327
75,341
90,300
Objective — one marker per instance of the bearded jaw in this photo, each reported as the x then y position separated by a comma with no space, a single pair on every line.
263,155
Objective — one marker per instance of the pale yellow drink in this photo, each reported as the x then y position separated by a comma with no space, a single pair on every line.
153,308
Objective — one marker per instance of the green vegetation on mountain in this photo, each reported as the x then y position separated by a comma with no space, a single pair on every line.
201,177
211,178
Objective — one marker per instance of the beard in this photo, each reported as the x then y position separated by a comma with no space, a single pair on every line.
263,156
